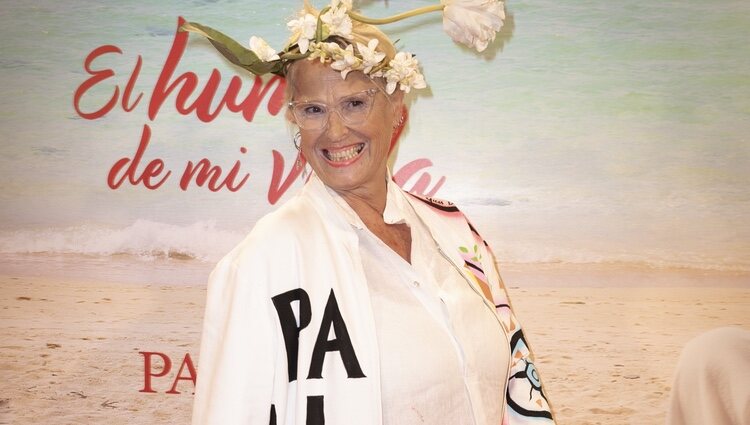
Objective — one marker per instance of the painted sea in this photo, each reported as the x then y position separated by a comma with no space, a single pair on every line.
590,132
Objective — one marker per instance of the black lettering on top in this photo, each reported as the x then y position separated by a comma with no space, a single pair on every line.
272,421
315,414
341,343
289,328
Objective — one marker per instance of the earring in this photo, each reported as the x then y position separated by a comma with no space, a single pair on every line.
301,162
400,121
297,140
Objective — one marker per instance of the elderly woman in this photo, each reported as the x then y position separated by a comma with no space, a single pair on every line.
356,302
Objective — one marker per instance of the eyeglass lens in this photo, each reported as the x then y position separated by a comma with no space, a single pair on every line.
353,109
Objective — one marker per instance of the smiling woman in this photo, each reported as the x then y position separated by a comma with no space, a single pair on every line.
346,145
358,302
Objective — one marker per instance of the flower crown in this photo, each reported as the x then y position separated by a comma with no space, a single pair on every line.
350,41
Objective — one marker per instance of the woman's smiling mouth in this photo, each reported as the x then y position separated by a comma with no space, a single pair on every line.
343,155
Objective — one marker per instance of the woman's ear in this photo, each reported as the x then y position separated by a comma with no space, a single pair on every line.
398,128
397,97
397,102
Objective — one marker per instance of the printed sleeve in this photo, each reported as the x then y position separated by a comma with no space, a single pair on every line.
525,397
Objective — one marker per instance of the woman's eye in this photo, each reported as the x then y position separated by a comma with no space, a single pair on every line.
355,104
313,110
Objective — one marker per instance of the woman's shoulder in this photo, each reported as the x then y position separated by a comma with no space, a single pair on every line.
441,211
435,203
440,208
276,233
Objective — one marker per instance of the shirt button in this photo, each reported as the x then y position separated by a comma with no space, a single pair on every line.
416,284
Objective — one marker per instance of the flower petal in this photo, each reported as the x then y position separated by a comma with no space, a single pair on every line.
473,23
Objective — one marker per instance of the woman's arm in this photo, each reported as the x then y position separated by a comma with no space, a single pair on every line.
526,398
238,356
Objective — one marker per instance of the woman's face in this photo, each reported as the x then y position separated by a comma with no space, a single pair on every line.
346,157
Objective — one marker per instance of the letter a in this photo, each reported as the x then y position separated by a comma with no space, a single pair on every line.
342,343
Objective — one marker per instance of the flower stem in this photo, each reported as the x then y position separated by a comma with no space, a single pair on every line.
294,56
395,18
319,26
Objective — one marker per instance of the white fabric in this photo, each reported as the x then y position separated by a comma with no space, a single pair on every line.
435,336
712,382
307,245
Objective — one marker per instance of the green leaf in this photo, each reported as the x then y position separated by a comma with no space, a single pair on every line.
463,249
234,51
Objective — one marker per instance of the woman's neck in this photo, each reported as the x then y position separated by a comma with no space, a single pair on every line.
369,206
367,202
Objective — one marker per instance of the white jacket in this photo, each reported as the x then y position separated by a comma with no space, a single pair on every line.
289,334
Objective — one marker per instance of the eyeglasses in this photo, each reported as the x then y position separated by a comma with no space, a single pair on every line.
353,110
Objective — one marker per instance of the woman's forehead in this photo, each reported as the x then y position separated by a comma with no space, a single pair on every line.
316,81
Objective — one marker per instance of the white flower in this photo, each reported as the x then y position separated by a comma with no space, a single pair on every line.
370,57
262,49
404,72
303,30
473,22
325,51
346,61
338,22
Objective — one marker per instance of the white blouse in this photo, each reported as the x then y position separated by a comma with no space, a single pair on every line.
443,358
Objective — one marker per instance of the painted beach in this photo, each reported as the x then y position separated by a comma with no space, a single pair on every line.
602,149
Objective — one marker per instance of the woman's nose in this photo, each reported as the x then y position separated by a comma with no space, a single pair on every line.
336,127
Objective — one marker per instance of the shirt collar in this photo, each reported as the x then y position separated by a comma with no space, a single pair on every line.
396,207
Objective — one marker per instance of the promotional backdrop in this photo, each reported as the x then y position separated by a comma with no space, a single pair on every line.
600,147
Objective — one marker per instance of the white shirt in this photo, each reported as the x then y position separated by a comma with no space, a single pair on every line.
298,274
443,357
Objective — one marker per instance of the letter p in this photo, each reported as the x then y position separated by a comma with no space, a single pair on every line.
290,325
148,373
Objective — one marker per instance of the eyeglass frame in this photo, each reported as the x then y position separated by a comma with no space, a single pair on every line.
372,91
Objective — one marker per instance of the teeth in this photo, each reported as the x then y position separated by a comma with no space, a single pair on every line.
344,155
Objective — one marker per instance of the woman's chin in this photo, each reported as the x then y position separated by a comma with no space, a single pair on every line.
348,178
